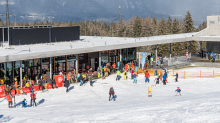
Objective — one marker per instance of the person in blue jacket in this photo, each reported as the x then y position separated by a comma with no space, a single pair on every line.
24,104
135,78
136,68
213,58
164,79
176,77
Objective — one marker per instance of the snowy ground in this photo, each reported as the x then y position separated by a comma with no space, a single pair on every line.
200,102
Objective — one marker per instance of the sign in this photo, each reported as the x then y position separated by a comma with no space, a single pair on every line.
59,80
2,93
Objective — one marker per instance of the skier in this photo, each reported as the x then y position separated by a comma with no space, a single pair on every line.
176,79
132,73
111,93
147,75
33,98
40,84
118,75
80,79
164,79
158,78
125,75
53,83
24,104
9,98
152,62
90,78
136,69
67,84
178,90
135,78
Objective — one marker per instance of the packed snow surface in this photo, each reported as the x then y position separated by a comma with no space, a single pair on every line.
200,102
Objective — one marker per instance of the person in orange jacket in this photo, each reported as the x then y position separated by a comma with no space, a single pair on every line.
126,67
114,67
9,98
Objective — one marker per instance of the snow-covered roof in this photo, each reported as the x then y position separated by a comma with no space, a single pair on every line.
86,45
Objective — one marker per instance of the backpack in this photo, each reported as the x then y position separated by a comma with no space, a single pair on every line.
111,89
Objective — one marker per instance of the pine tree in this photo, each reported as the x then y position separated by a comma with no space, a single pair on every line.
137,27
154,30
35,23
188,23
70,23
162,27
169,25
176,26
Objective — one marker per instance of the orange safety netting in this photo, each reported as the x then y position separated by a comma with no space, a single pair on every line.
187,74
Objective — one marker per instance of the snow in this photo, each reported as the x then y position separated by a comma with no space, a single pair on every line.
200,102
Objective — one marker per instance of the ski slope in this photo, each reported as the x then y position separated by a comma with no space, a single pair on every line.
200,102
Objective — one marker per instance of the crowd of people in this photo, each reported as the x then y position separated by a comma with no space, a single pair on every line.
88,76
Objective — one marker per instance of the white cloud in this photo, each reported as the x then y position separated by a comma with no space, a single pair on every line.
4,3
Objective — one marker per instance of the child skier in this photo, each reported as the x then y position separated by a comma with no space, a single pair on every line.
164,79
24,104
111,93
176,77
132,73
178,90
125,75
9,98
33,98
118,75
147,76
158,78
135,78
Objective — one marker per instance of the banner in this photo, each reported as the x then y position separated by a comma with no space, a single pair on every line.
59,80
143,59
2,94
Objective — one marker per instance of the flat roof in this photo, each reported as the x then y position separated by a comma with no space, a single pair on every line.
88,44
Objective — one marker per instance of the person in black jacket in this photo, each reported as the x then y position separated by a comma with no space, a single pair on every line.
40,84
53,82
67,84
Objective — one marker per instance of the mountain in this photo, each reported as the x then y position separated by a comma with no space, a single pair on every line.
107,10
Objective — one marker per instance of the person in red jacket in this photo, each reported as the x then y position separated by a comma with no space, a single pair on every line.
111,93
33,98
147,75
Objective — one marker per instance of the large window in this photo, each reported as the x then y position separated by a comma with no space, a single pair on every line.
45,65
83,61
60,64
131,54
124,55
104,57
71,62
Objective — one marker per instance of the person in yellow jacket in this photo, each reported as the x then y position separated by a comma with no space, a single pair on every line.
27,84
125,75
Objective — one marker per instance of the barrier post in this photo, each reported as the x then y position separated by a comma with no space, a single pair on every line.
200,73
184,75
213,73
